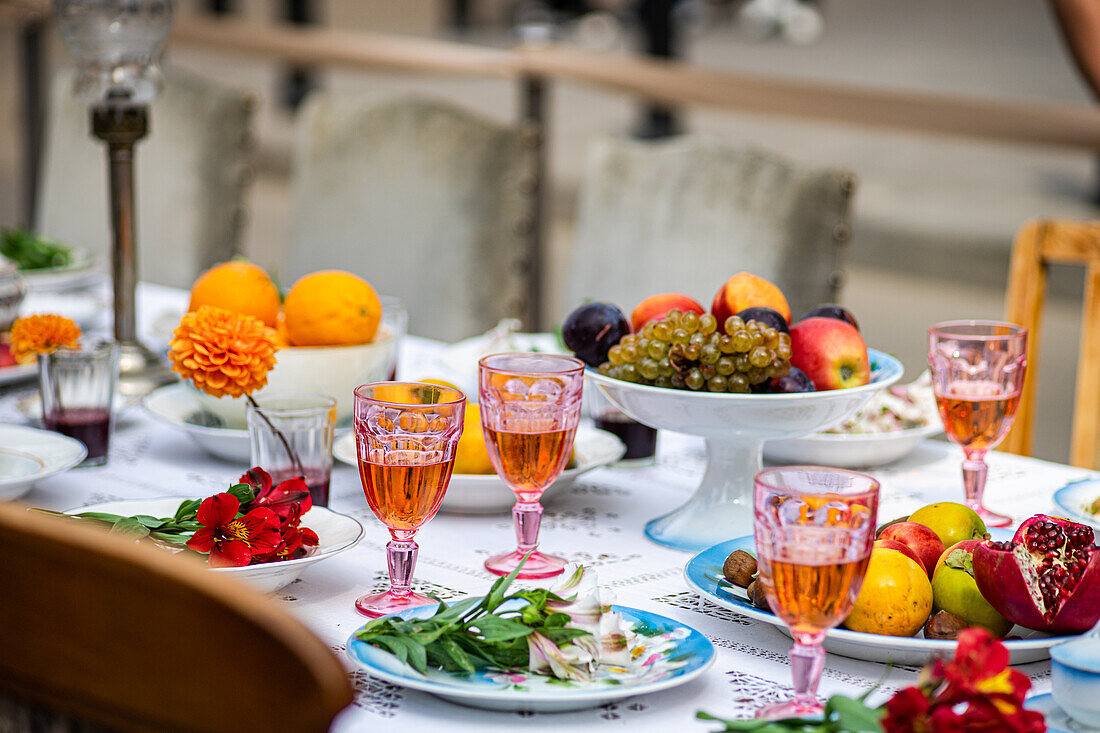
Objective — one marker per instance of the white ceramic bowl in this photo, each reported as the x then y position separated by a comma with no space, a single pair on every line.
1075,678
486,494
336,532
329,370
735,427
29,455
855,450
176,405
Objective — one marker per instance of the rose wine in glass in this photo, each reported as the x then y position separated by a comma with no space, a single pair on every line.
530,406
977,370
405,435
814,529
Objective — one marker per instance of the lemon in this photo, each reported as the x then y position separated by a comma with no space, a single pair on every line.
896,597
471,456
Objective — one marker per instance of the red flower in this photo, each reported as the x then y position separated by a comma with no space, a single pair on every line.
294,542
903,709
230,540
278,498
976,691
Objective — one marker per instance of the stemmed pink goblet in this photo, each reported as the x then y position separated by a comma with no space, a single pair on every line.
977,370
530,405
405,436
814,529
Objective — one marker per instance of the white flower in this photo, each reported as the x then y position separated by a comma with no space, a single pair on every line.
545,657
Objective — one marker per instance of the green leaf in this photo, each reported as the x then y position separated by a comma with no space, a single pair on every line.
853,716
243,492
494,628
456,653
188,509
130,526
960,560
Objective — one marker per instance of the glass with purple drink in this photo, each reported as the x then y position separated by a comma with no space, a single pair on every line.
77,386
291,435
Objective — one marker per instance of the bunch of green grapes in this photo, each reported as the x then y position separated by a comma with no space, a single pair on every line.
688,351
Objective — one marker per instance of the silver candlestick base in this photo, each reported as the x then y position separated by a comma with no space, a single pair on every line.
120,126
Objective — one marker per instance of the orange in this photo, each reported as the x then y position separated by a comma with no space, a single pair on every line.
331,308
471,455
896,597
237,286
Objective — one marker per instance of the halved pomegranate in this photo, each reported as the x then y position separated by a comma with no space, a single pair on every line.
1047,578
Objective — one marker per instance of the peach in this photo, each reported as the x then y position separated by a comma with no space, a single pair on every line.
831,352
656,306
919,538
745,290
904,550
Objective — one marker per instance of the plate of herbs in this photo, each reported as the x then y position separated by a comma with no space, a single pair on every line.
560,649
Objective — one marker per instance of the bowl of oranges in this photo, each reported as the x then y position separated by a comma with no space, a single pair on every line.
328,330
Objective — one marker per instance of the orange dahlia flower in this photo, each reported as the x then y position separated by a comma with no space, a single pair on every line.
223,352
42,334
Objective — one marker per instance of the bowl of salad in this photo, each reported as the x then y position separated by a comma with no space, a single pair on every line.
886,429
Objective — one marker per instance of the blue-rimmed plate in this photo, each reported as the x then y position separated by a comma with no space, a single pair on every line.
703,574
1075,497
675,655
1056,718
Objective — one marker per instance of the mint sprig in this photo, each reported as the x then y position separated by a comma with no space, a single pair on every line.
474,633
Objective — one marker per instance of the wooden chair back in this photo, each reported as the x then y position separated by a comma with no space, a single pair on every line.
128,637
1038,244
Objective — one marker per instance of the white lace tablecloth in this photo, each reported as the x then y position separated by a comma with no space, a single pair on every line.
599,522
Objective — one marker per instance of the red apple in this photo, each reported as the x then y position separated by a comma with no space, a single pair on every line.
656,306
903,549
745,290
831,352
919,538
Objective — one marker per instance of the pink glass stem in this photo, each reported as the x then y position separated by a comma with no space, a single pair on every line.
401,560
974,473
807,661
527,517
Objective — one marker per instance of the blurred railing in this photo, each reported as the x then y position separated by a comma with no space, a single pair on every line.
666,82
675,83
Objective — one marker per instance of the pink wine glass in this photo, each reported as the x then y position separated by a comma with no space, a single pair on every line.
405,435
814,531
530,406
977,372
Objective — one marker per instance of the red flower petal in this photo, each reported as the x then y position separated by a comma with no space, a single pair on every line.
202,540
258,479
218,509
309,537
232,554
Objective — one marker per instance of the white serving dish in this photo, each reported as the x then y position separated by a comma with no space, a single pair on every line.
336,532
334,371
487,494
18,373
681,655
176,404
29,455
735,427
853,450
85,269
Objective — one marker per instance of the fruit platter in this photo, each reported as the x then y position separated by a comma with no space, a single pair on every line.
737,376
933,574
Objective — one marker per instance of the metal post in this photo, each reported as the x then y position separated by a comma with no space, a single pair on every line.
533,115
120,127
33,115
298,81
662,40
